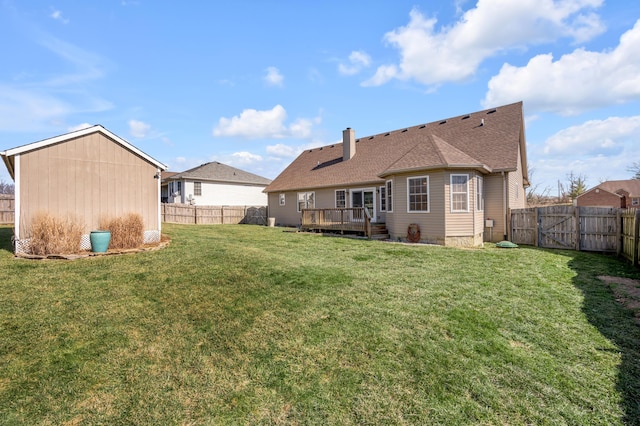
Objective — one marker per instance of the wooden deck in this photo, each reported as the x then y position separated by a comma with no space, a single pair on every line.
356,219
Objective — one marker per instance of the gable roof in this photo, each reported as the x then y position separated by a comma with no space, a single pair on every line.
9,154
215,171
631,186
488,140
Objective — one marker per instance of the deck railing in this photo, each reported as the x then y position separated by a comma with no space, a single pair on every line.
354,219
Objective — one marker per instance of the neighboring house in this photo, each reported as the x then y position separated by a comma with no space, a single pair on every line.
612,193
91,174
216,184
164,188
449,176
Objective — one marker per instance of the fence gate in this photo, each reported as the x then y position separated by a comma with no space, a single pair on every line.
557,227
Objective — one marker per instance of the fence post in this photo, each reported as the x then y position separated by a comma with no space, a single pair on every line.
618,232
536,229
636,237
577,216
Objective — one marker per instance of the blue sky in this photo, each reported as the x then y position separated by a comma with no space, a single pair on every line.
253,83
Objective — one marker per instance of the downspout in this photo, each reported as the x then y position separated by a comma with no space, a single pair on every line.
505,188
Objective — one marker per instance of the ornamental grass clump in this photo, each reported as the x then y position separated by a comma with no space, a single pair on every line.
55,235
126,231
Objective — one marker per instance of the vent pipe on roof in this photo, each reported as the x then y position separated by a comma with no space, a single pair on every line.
348,144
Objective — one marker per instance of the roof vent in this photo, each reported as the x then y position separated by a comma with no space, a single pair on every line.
404,130
491,111
387,134
371,137
482,122
465,117
443,121
423,126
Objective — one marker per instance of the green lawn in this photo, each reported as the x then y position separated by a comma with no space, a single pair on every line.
253,325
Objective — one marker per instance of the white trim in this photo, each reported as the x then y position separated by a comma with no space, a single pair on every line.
335,198
428,195
83,132
389,184
16,200
451,192
374,213
479,193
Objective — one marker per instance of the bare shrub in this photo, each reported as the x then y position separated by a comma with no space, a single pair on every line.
126,231
54,235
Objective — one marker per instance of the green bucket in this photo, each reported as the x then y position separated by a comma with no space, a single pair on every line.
100,241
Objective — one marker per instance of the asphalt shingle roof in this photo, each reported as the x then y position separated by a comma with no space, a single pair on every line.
218,172
488,140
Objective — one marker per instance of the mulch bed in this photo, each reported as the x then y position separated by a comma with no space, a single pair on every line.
164,242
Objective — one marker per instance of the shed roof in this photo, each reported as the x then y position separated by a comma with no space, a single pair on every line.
488,140
9,154
218,172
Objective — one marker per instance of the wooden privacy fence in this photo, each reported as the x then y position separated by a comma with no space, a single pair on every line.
214,215
600,229
7,208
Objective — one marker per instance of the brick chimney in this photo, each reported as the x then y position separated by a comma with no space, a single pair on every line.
348,144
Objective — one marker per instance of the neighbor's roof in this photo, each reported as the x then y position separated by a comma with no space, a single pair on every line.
487,140
632,186
9,154
219,172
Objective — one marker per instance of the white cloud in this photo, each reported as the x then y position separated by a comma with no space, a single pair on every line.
274,77
282,150
433,55
244,158
595,137
254,124
358,60
79,127
139,129
596,149
574,83
57,15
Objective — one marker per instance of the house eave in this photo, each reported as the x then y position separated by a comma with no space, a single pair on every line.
479,167
317,187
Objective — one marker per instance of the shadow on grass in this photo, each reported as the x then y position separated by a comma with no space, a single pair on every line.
613,320
5,239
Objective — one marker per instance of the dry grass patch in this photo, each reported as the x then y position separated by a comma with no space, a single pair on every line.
55,235
127,231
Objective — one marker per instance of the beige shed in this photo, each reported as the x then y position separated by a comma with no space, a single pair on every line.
90,173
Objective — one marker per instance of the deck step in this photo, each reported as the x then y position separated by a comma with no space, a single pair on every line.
379,231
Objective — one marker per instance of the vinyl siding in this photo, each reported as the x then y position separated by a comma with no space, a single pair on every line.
493,206
432,224
221,194
459,223
90,177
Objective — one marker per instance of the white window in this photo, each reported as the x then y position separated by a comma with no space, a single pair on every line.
281,199
306,200
389,194
635,201
418,194
459,189
341,199
383,199
197,188
479,193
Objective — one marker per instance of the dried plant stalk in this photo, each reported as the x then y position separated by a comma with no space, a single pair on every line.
126,231
49,234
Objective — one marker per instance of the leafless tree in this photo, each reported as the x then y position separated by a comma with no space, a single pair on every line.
6,188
